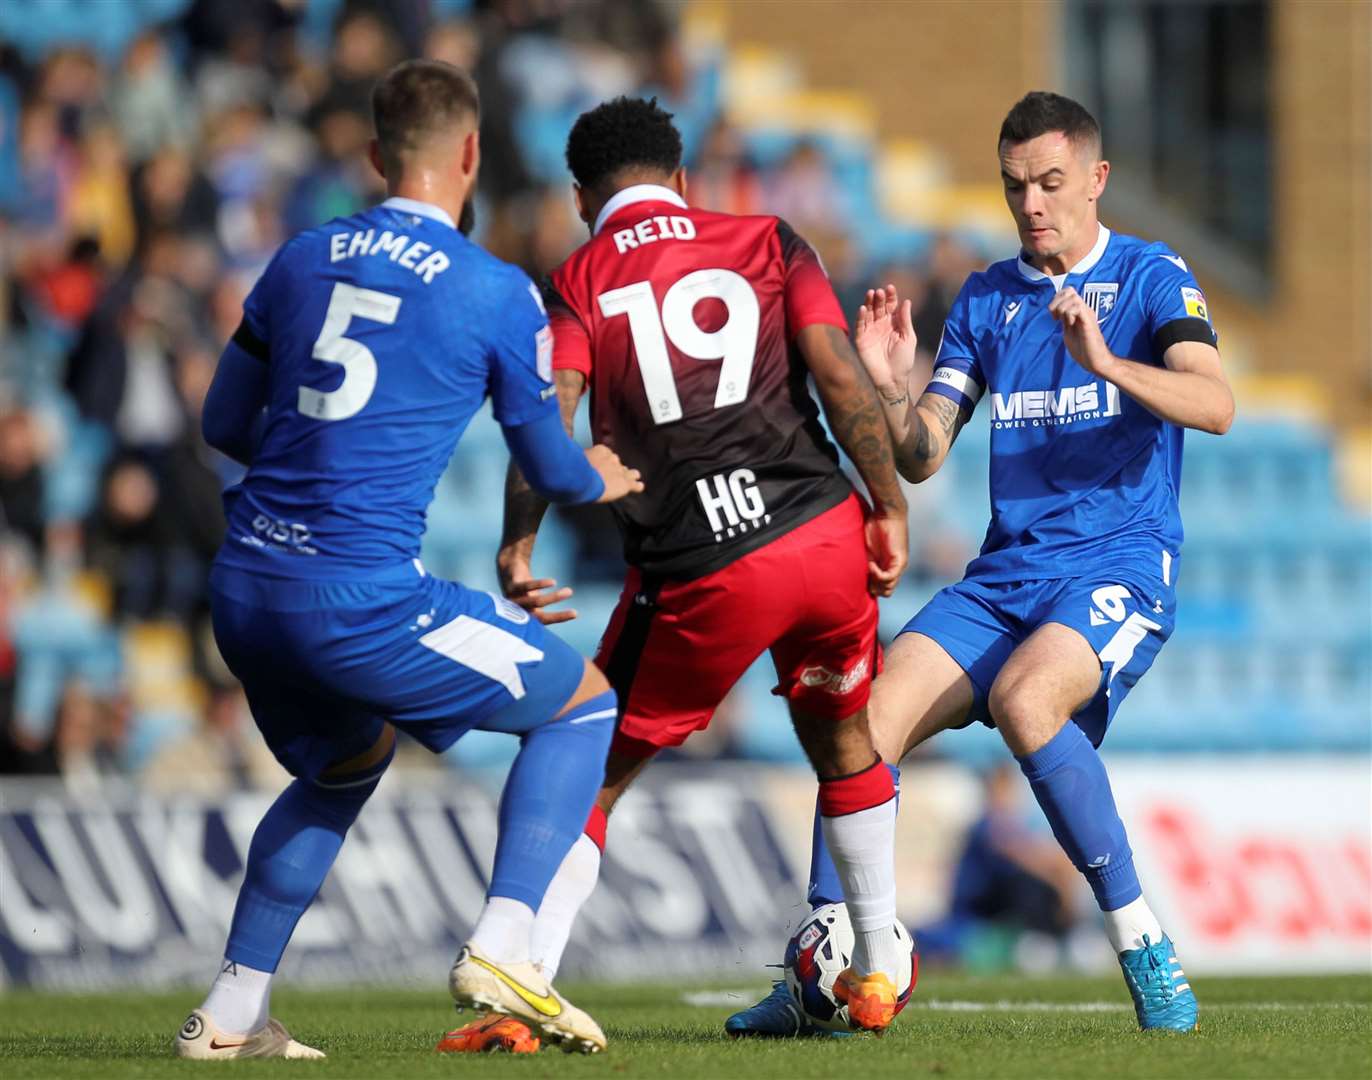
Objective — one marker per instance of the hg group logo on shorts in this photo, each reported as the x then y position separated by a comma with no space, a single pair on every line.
835,682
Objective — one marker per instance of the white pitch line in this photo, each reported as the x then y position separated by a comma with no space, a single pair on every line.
935,1005
715,998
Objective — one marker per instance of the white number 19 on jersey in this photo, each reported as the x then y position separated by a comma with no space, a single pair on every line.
735,342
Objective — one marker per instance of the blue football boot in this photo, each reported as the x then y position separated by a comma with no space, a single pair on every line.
774,1017
1163,999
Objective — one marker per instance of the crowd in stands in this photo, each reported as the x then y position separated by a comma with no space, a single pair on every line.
153,155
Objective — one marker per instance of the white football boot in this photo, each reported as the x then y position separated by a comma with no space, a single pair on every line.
201,1040
520,990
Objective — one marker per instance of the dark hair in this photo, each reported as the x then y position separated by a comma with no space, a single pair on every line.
1040,112
417,99
619,135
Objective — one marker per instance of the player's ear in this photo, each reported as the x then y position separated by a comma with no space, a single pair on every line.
471,153
579,197
677,181
374,155
1099,173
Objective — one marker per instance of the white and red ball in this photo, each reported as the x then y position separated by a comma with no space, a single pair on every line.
819,949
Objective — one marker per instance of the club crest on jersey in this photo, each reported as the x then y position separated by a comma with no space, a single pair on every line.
1101,296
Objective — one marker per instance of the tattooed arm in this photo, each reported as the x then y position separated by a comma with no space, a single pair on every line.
923,431
854,414
524,510
927,431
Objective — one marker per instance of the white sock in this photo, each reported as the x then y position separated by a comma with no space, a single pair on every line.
239,999
863,850
502,932
1127,925
571,887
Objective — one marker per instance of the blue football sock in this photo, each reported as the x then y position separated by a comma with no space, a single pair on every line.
548,794
825,886
291,852
1069,781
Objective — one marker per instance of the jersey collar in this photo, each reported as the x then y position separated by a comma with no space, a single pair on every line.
636,193
1092,257
423,209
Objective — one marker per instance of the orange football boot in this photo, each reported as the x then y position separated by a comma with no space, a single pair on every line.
492,1032
871,999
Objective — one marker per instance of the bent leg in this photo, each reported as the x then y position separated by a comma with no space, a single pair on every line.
1047,679
291,853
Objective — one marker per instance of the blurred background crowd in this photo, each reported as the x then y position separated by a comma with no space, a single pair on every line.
154,154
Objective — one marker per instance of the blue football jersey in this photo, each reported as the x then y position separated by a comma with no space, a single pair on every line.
1081,475
383,333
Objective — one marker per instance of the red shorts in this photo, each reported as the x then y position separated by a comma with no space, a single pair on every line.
674,649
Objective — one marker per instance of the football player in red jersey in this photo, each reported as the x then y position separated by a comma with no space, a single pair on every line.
695,334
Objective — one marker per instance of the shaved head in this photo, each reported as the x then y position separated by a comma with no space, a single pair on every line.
418,102
1041,112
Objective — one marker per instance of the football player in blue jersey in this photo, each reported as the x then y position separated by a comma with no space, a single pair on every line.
1094,351
364,351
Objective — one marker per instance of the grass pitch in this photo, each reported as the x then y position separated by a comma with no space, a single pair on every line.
957,1026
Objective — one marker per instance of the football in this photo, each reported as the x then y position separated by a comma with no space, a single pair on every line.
819,949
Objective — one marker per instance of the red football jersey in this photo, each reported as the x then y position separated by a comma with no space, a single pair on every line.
683,322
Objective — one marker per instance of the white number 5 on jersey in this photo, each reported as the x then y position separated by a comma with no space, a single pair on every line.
359,365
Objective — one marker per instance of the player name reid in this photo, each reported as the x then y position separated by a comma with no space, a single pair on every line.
417,256
651,230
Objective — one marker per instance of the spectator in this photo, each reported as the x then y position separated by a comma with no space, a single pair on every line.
724,179
21,477
149,99
223,754
804,192
1009,877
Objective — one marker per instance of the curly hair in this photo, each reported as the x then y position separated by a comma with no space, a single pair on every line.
619,135
1040,112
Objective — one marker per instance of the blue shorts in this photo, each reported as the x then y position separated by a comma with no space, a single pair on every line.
1125,615
326,664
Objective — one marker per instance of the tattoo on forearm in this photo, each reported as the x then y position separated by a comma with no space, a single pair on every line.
524,510
922,443
895,399
860,427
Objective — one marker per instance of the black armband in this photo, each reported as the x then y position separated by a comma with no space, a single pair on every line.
249,342
1188,329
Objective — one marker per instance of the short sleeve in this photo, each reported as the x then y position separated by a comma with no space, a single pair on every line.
521,383
957,372
810,298
1174,306
571,342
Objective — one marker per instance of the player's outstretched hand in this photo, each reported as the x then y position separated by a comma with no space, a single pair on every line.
533,594
885,341
1081,332
888,552
620,480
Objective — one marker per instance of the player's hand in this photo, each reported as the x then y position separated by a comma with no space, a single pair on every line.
533,594
1081,332
888,552
885,341
620,480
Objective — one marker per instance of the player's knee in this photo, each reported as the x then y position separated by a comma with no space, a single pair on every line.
887,730
1022,717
